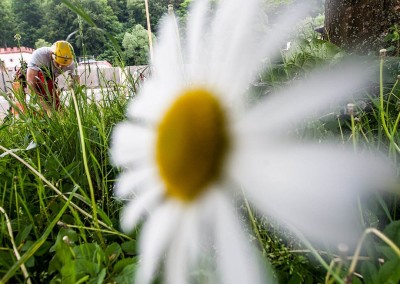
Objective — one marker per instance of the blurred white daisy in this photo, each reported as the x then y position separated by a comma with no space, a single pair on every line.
188,147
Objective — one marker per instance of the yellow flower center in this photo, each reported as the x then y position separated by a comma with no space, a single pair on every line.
191,144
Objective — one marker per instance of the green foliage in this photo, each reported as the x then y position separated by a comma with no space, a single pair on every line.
393,40
76,250
303,56
53,20
183,8
59,22
58,238
7,24
157,9
379,263
88,262
27,17
286,254
384,264
67,254
41,43
91,38
136,46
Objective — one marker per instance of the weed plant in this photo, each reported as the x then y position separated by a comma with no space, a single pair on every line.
371,121
59,221
68,170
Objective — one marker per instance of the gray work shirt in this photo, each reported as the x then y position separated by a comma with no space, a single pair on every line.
42,60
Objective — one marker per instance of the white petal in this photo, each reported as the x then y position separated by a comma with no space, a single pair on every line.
238,50
232,44
304,100
183,250
31,145
138,207
134,181
285,25
237,260
153,100
197,40
167,76
167,60
131,143
314,188
176,265
157,234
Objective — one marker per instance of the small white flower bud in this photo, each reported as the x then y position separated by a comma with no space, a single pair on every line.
350,109
67,240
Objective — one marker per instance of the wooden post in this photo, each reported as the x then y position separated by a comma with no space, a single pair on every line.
149,29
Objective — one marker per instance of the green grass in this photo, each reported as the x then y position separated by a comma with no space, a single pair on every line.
69,167
59,213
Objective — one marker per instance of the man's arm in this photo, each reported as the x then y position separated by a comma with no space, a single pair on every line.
32,80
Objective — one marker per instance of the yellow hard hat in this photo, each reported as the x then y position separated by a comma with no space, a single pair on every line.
63,53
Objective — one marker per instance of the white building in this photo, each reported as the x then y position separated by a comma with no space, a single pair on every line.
11,57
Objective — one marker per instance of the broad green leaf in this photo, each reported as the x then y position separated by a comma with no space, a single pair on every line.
129,247
127,275
113,251
390,272
392,231
21,236
120,265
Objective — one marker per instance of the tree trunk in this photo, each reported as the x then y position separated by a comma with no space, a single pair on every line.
360,25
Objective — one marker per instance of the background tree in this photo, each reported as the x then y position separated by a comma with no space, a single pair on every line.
7,24
52,20
58,21
157,10
41,43
183,8
27,17
120,9
136,46
360,25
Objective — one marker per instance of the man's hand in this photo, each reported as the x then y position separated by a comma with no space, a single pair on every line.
73,80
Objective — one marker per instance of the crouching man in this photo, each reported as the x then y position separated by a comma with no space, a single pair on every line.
46,64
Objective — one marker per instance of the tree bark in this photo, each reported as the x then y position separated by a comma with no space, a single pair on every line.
360,25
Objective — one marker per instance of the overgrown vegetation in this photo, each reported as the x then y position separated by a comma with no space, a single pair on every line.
370,121
51,20
49,190
59,220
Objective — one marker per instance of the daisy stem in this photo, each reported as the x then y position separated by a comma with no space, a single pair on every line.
341,130
382,109
15,249
353,132
380,235
382,112
354,140
318,256
85,163
331,267
254,225
396,123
